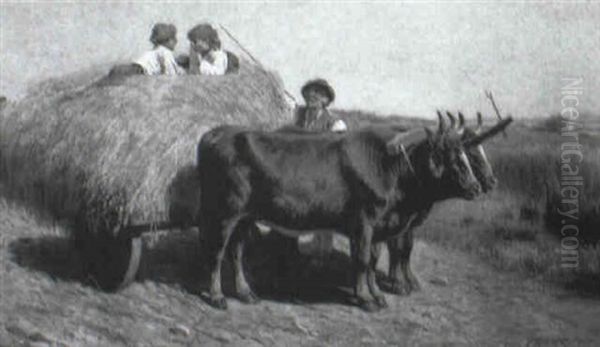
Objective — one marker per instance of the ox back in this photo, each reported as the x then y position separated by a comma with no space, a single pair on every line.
296,181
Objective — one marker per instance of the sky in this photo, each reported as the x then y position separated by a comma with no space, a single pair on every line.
387,57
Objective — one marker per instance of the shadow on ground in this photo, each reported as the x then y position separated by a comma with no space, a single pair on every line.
176,258
52,255
273,269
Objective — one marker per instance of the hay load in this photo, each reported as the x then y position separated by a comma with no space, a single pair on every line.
107,155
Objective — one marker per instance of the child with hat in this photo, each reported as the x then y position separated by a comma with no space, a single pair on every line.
161,60
318,94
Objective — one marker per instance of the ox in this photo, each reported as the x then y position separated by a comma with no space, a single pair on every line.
405,218
313,182
402,279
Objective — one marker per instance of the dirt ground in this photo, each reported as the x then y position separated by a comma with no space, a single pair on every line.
44,301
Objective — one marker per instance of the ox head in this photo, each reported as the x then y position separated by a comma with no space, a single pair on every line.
474,149
448,164
438,160
452,159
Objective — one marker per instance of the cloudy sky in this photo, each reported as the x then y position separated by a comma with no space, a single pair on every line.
402,58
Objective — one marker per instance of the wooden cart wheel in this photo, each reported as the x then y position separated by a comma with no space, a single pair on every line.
113,261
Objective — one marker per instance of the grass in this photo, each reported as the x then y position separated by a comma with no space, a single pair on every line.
517,227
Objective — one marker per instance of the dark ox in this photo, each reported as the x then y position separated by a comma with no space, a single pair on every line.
404,220
401,278
298,182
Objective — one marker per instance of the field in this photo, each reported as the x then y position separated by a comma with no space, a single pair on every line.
517,227
492,271
522,230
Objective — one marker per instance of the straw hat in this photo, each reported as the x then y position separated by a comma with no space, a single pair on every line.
319,83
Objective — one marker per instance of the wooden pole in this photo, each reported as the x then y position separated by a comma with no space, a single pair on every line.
238,43
489,95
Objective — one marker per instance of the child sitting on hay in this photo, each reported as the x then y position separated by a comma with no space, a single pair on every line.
161,60
206,56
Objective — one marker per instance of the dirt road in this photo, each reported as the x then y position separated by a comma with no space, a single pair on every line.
43,302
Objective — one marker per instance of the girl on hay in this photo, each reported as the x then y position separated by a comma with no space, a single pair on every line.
206,56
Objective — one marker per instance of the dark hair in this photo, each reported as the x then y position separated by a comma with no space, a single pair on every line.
162,32
206,33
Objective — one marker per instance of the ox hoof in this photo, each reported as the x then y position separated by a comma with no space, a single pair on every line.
248,298
368,305
415,285
400,288
381,302
218,303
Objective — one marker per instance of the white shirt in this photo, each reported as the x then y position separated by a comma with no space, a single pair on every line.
218,67
339,126
159,61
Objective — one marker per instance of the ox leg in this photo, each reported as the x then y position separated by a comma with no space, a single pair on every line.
398,284
403,281
288,270
237,243
372,276
217,236
361,256
409,276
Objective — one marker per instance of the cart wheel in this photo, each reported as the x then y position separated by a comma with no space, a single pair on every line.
113,261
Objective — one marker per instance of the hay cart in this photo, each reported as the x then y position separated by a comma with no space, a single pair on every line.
106,157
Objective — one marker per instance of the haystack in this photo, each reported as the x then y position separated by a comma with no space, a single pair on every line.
102,155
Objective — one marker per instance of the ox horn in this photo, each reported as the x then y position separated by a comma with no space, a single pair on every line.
461,120
452,120
442,122
500,126
479,122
